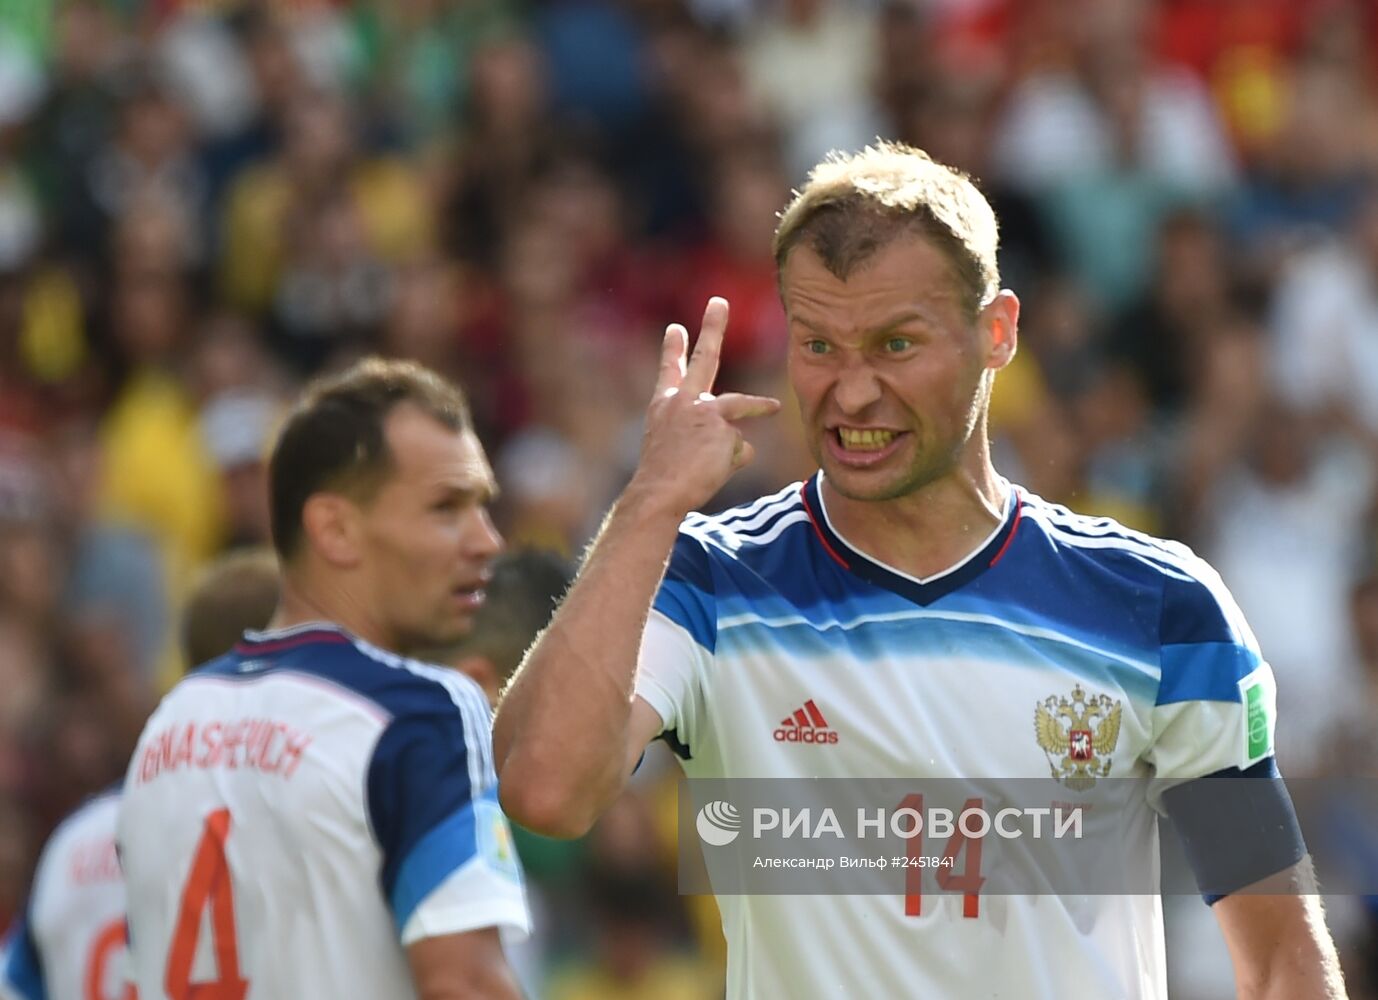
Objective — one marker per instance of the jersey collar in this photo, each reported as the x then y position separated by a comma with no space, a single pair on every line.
924,590
273,640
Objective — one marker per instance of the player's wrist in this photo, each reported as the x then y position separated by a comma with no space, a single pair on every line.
651,506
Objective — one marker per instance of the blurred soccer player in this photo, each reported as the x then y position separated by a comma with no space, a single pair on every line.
70,942
238,593
314,815
906,611
521,597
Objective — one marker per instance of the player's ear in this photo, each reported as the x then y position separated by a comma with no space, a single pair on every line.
999,322
334,528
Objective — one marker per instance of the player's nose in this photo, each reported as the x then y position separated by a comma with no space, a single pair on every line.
857,387
484,541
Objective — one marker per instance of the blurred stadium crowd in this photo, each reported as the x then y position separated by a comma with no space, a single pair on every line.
203,204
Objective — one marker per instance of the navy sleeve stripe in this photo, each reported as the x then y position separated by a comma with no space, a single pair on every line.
448,846
1206,671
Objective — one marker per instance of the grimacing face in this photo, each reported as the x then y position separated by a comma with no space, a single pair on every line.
427,540
888,367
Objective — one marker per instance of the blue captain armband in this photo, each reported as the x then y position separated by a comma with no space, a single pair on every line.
1237,827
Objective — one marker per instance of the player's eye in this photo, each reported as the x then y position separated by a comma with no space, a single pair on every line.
816,346
897,345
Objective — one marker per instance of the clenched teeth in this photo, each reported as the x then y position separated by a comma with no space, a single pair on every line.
864,440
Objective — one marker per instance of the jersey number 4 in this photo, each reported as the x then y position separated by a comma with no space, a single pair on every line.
208,885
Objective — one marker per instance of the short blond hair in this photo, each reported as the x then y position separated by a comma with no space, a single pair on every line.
238,591
854,204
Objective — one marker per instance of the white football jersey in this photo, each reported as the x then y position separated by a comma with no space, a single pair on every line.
776,650
301,809
70,942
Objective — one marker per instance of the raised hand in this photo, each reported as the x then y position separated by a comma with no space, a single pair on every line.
692,444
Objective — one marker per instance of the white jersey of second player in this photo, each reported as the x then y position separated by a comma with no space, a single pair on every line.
70,942
299,811
776,650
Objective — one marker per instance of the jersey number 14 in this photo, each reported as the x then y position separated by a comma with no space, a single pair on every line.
968,881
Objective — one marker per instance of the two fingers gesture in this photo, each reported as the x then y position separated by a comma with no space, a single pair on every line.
692,444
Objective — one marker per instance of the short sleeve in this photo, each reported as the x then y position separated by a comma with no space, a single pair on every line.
448,862
678,643
1216,703
21,971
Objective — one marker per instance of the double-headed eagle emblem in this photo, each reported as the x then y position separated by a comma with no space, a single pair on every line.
1081,730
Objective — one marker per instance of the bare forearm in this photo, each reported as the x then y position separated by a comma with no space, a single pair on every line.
1307,971
567,729
1280,944
468,985
464,966
561,731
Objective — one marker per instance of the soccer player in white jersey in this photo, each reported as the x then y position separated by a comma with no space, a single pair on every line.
903,614
69,944
314,815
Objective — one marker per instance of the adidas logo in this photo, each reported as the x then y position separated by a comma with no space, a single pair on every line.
806,725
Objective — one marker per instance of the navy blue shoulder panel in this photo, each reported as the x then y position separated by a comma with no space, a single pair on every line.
437,737
686,594
1192,613
334,656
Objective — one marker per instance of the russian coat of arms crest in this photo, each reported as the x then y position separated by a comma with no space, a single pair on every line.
1078,734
